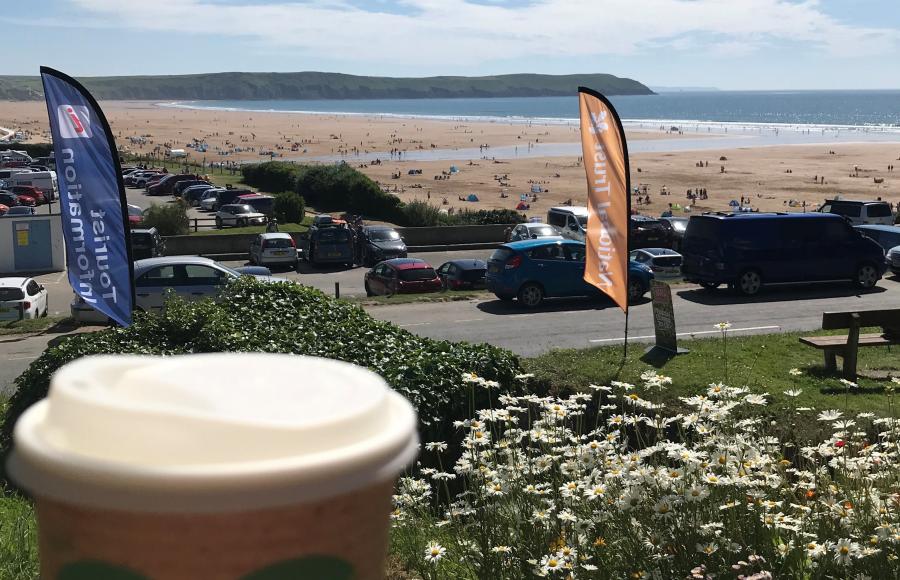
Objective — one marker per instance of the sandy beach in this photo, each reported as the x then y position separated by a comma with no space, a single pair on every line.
773,177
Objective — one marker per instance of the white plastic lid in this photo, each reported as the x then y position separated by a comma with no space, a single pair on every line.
211,432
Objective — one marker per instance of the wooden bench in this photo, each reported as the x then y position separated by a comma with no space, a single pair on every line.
847,346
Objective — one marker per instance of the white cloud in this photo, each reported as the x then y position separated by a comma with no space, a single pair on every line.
459,32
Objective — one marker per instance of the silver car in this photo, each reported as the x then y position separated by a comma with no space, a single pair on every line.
662,261
273,248
191,277
533,231
239,215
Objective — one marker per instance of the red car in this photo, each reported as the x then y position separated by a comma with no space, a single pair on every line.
402,276
11,199
29,191
135,215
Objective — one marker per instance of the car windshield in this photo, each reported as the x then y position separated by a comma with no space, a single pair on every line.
11,294
542,231
417,274
277,243
383,235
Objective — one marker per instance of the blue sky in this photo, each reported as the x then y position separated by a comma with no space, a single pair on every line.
730,44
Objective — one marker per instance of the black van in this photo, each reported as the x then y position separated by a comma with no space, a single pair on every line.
747,251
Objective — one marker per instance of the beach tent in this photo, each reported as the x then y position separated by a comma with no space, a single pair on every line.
522,206
453,169
734,203
472,197
523,197
535,188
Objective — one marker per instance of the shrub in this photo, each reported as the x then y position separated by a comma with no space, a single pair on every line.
272,176
483,217
422,214
170,219
289,207
287,318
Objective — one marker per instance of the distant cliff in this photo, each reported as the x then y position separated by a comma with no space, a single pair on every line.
319,85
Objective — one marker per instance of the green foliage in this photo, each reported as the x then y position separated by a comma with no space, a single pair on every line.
286,317
32,149
484,217
323,85
289,207
18,539
423,214
272,176
170,219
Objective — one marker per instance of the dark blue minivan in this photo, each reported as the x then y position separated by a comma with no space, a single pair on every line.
748,251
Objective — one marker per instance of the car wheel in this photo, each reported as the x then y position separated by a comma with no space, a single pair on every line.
368,290
218,223
531,295
635,290
749,283
46,311
709,285
866,276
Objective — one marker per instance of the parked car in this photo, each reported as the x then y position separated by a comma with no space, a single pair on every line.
273,248
463,274
860,212
144,177
22,298
30,191
193,194
532,270
892,260
10,199
886,236
228,195
238,215
380,243
209,200
662,261
183,184
401,276
648,232
135,215
531,231
146,243
264,204
748,251
328,245
676,227
190,277
19,210
165,185
323,219
571,221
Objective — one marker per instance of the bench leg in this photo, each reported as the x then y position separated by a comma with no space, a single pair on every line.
852,348
830,360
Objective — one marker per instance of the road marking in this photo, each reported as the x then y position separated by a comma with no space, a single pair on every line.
730,330
414,324
469,320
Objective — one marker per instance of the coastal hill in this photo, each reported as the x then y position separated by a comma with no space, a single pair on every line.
321,85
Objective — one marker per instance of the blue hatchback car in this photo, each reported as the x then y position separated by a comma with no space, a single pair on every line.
532,270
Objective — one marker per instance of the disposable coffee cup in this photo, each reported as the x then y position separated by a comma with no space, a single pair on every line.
213,466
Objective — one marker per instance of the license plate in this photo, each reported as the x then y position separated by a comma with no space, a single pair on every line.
334,254
279,253
493,268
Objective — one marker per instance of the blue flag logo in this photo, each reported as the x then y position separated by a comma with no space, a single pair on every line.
91,198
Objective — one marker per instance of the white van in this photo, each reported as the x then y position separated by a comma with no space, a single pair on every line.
42,180
860,212
6,174
571,221
176,153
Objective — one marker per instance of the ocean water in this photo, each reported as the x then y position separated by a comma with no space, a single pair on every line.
867,111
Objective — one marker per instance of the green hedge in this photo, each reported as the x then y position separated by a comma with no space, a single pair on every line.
32,149
261,317
290,208
339,187
171,219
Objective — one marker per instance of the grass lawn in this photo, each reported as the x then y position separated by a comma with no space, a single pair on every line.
446,296
761,363
30,325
